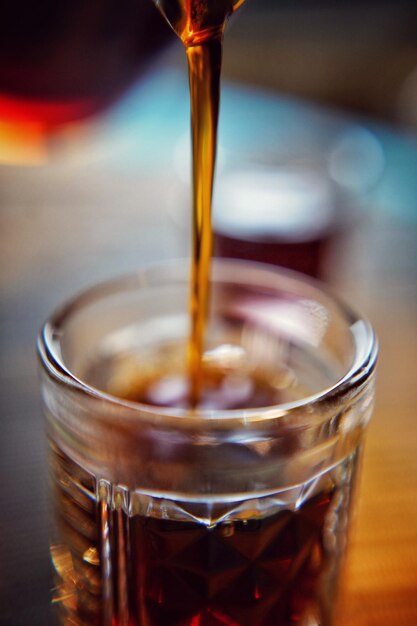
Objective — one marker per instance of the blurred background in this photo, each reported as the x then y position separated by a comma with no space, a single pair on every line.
317,170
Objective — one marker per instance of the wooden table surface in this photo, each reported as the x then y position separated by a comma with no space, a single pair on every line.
72,222
381,576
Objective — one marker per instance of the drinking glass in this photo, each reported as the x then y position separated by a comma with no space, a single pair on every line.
224,514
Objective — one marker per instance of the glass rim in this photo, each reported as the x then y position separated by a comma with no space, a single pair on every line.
358,373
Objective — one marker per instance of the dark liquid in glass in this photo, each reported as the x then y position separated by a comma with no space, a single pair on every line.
261,572
129,558
308,257
117,567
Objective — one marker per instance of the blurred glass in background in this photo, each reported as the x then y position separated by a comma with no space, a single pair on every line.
293,207
65,61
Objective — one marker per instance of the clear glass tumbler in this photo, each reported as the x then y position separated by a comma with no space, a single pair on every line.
222,515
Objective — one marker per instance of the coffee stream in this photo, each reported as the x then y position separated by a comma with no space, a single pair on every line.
200,25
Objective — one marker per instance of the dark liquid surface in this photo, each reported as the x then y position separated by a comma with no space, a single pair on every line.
227,387
245,365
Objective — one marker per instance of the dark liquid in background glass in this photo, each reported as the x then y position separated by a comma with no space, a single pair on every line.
285,216
63,61
309,257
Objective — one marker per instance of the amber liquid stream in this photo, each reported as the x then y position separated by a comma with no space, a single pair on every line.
200,25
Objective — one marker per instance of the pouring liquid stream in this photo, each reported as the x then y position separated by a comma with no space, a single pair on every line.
200,25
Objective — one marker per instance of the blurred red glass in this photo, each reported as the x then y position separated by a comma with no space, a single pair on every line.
65,61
